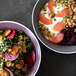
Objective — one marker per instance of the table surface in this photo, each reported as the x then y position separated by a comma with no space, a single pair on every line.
52,64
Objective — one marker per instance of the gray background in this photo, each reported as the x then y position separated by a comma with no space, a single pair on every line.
52,64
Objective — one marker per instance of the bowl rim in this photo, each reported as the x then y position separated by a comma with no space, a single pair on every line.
40,39
38,66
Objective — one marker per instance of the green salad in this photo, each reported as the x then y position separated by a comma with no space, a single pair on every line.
17,54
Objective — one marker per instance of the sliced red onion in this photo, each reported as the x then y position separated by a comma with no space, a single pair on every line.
10,56
11,74
12,34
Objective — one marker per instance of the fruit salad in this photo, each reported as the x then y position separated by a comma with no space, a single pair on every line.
57,21
17,54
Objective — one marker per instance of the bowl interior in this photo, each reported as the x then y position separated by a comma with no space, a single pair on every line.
13,25
35,20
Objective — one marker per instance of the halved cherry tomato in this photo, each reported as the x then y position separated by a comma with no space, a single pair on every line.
56,39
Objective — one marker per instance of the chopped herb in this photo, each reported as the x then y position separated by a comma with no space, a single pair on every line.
69,3
29,46
62,2
66,28
59,5
70,17
20,32
41,25
65,6
51,34
74,30
45,13
46,28
58,8
1,32
65,19
58,11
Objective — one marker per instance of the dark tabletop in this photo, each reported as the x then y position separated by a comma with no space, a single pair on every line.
53,64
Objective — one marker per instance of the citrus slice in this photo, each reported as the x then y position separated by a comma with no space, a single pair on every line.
56,39
50,6
59,26
44,20
63,13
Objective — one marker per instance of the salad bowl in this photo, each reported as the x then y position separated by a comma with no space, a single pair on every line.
4,25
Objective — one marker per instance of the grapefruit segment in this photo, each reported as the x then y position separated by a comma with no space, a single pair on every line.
56,39
59,26
50,6
63,13
44,20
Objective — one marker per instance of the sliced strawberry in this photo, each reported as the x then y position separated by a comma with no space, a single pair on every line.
56,39
59,26
50,6
44,20
63,13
